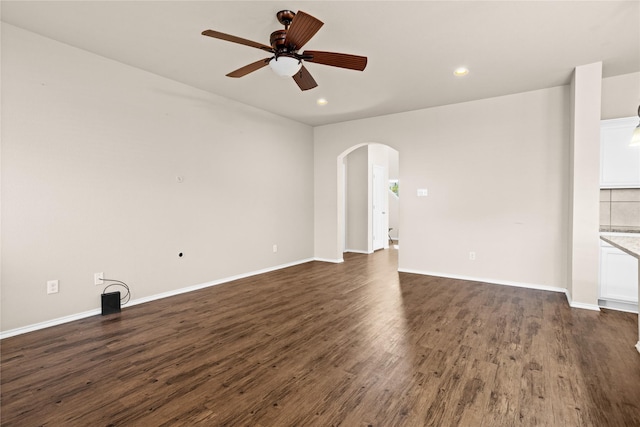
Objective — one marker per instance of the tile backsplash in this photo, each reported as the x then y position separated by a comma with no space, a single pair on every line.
620,207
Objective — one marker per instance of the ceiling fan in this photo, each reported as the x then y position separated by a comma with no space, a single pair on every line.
286,61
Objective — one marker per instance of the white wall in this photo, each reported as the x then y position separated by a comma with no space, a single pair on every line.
357,201
394,212
91,149
584,166
394,202
497,175
379,156
620,96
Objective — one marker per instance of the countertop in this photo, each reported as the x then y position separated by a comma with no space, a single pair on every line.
628,244
619,229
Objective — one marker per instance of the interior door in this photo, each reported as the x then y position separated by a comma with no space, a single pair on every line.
378,189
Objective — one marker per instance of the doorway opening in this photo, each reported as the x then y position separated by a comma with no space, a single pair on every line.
368,202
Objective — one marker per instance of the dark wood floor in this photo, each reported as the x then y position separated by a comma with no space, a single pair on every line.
355,344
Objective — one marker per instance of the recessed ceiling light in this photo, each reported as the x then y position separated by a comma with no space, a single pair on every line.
460,72
322,101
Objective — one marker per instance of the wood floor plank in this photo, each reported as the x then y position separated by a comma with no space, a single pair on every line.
320,344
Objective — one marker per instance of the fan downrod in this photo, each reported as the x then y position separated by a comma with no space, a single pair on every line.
279,36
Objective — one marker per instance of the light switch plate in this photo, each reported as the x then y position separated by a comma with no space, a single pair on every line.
52,286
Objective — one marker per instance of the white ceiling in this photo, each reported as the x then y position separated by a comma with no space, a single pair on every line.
413,47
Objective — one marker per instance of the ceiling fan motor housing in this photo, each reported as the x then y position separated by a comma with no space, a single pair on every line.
277,40
278,37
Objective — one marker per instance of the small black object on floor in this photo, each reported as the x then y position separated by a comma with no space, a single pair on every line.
111,303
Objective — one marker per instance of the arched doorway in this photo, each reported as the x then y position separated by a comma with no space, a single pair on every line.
367,206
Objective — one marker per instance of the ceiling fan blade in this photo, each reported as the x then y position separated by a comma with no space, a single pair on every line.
249,68
302,28
234,39
342,60
304,80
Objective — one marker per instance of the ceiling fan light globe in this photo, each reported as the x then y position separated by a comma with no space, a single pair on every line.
285,66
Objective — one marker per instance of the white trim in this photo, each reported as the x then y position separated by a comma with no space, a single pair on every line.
78,316
572,304
584,306
335,261
48,323
358,251
619,305
581,305
215,282
638,346
484,280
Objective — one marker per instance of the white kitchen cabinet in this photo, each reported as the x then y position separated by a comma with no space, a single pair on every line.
619,163
618,279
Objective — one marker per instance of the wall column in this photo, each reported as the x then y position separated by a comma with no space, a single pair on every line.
586,91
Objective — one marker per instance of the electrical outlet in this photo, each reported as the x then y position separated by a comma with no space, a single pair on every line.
98,278
472,256
275,248
52,286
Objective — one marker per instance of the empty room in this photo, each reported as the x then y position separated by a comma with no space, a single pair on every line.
320,213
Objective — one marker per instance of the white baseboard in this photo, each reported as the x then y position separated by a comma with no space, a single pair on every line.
215,282
582,305
485,280
49,323
358,251
334,261
627,307
572,304
78,316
